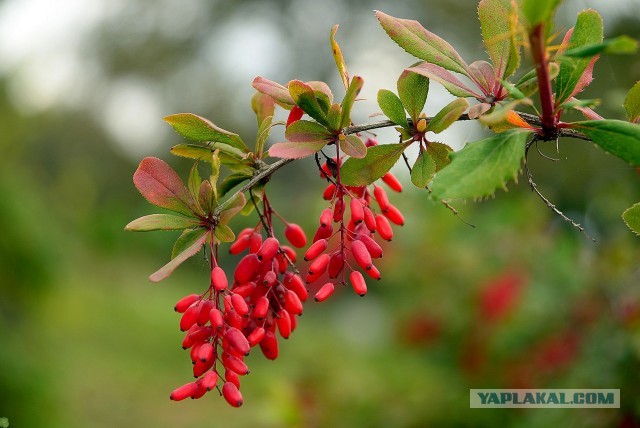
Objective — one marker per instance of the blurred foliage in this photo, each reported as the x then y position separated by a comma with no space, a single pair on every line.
521,300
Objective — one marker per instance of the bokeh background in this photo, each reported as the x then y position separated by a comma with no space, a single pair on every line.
521,300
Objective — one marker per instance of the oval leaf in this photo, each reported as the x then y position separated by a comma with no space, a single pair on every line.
306,131
392,107
631,217
413,89
339,59
349,98
446,79
199,237
632,103
223,233
289,150
621,139
161,222
482,167
377,162
448,115
198,128
499,23
353,146
161,186
423,170
234,206
305,98
274,90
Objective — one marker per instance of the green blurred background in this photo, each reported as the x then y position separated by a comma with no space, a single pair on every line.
521,300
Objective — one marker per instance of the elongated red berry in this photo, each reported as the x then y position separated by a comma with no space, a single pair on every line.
199,334
236,339
232,394
295,284
383,227
369,219
294,115
319,265
391,181
292,303
203,315
381,198
323,232
295,235
184,391
269,345
237,365
372,246
241,244
189,317
239,305
246,269
324,292
316,249
205,352
255,242
357,211
325,217
188,341
209,380
184,303
373,273
336,263
269,249
261,308
290,252
256,336
245,290
200,367
361,255
394,215
284,323
219,279
358,283
231,376
215,316
329,191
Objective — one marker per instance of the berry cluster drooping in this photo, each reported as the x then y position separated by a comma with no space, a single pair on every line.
224,323
355,240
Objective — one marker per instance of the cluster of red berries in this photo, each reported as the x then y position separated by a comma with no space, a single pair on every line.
356,237
225,322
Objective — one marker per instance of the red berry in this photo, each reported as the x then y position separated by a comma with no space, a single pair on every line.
256,336
239,305
231,376
188,341
198,334
295,235
241,244
184,303
246,269
205,352
336,263
329,191
219,279
358,283
209,380
294,115
316,249
383,227
361,255
215,316
391,181
295,284
236,339
373,273
323,232
245,290
369,219
269,249
203,315
185,391
255,242
231,393
284,323
189,317
357,211
372,246
200,368
394,215
261,308
381,198
292,303
324,292
325,217
269,345
237,365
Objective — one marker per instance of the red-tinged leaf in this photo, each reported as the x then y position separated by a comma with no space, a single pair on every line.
334,118
484,75
586,78
478,110
263,106
446,79
378,161
274,90
499,23
304,97
305,131
349,98
416,40
233,207
162,222
206,196
588,113
199,129
339,59
161,186
321,87
448,115
198,238
223,233
353,146
290,150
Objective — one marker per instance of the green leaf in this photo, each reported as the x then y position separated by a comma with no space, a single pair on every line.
232,181
416,40
588,31
446,79
413,89
392,107
349,98
339,59
439,152
484,75
480,168
161,222
223,233
194,186
275,90
161,186
334,118
423,170
263,106
197,239
631,217
206,196
186,239
289,150
198,128
353,146
621,45
377,162
256,194
305,98
621,139
234,206
228,154
499,23
538,11
306,131
215,173
632,103
448,115
263,134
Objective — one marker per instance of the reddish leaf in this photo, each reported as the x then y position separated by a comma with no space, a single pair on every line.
337,56
353,146
274,90
161,186
190,251
483,74
446,79
305,131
